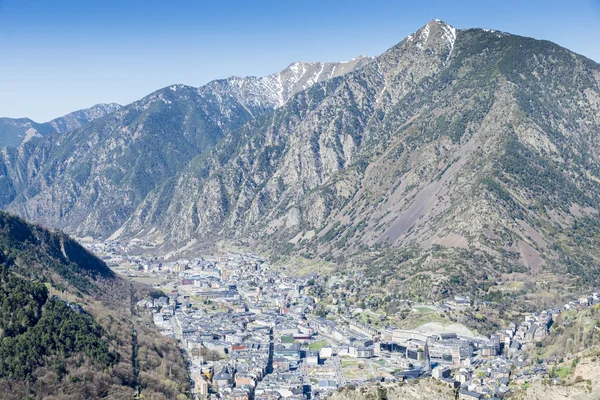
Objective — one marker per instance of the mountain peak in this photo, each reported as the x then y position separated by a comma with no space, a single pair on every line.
436,21
435,34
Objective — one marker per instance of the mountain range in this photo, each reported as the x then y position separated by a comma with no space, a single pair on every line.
15,131
453,158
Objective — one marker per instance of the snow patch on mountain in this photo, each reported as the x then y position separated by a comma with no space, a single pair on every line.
449,34
273,91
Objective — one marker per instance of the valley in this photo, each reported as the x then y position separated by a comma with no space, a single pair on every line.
423,222
251,330
431,167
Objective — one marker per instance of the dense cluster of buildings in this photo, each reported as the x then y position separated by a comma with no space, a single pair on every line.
502,362
253,333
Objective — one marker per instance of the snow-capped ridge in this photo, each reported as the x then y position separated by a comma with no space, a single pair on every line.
437,29
273,91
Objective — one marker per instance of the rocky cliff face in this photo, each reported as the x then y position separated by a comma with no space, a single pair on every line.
477,148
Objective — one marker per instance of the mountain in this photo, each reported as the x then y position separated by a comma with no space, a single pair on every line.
92,177
80,118
467,154
454,160
66,324
14,131
89,180
259,94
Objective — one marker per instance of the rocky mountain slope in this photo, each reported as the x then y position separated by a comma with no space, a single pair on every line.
14,131
90,180
477,144
67,322
259,94
454,157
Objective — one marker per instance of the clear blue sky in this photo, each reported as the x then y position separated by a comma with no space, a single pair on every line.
57,56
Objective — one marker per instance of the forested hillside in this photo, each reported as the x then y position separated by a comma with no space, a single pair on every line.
67,326
41,331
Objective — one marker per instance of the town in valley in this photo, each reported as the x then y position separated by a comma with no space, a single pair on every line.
251,331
